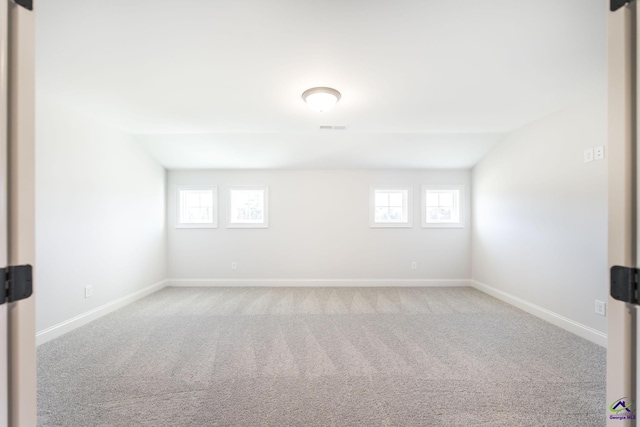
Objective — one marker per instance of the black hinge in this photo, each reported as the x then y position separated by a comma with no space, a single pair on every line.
18,283
617,4
27,4
624,284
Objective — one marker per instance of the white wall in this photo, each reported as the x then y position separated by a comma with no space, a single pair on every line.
318,229
100,215
539,215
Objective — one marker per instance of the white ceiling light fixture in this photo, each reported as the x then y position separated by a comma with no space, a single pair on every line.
321,99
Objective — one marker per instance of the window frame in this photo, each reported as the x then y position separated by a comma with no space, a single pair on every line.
461,205
265,202
387,188
214,208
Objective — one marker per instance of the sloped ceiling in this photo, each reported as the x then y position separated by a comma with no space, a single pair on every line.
218,83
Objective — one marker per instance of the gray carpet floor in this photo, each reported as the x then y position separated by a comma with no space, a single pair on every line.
320,357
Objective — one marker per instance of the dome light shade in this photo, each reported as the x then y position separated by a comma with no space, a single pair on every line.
321,99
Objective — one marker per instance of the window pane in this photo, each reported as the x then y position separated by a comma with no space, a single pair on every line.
395,214
192,214
382,214
432,214
247,206
192,199
206,198
382,198
446,199
198,215
432,198
444,214
205,213
396,199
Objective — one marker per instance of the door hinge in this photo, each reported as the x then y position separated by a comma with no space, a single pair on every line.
624,284
27,4
18,283
617,4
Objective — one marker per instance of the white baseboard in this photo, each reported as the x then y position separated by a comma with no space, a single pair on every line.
68,325
572,326
318,282
565,323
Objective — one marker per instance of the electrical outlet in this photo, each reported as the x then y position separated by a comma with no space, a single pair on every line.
234,265
88,291
598,153
601,308
414,265
588,155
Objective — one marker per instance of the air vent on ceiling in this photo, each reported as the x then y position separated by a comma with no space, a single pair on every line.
327,127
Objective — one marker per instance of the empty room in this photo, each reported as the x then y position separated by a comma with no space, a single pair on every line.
325,213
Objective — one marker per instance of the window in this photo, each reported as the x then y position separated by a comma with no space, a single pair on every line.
442,206
197,207
248,207
390,207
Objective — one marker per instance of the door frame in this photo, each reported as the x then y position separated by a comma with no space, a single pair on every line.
21,210
4,226
622,209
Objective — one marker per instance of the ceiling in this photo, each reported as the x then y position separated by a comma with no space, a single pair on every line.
218,83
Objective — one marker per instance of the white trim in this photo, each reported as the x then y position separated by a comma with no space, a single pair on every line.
319,282
565,323
407,189
68,325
